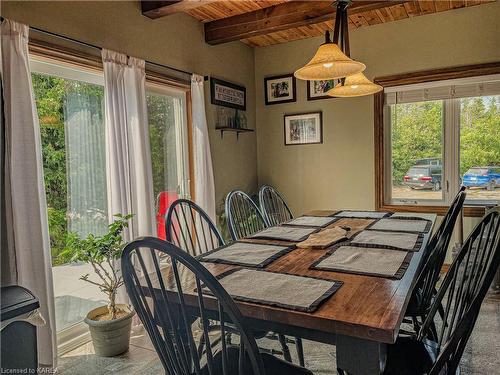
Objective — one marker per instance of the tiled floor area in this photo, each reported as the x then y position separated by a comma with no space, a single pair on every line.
480,358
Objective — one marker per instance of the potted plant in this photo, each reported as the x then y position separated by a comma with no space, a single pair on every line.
109,325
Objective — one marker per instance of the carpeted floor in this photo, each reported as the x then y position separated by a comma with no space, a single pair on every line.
481,356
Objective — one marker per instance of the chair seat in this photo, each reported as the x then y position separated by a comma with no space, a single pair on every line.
272,365
408,356
415,305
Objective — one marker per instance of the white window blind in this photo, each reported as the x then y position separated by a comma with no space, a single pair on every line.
441,91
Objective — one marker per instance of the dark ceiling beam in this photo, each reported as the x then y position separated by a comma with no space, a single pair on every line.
281,17
157,9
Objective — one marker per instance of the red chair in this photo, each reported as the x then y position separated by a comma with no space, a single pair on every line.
163,202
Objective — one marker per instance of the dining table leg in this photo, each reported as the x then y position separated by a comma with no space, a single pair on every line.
360,357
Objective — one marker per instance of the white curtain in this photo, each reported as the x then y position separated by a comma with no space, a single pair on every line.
28,246
204,187
128,161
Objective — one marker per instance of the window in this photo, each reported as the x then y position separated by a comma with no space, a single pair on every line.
169,148
434,136
480,147
70,104
417,151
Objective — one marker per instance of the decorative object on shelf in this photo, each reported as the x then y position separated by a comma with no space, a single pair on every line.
304,128
280,89
332,61
228,119
228,94
317,89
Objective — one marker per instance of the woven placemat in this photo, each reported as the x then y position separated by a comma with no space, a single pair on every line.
246,254
301,293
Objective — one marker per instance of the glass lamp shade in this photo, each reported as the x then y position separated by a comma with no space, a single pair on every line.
355,85
329,62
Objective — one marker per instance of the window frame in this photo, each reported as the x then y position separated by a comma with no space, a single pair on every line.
154,87
381,137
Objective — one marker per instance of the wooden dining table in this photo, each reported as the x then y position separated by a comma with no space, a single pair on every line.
360,319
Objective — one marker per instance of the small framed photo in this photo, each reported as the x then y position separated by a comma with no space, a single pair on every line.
303,129
228,94
280,89
318,89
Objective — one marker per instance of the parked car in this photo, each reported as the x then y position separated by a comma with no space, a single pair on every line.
424,176
483,177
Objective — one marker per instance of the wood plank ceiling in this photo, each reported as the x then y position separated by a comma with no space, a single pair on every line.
247,14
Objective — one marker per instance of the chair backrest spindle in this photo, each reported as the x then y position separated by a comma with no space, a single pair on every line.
273,206
191,229
243,216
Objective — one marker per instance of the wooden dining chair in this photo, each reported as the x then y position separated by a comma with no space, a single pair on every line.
189,227
273,206
244,218
160,300
441,340
425,287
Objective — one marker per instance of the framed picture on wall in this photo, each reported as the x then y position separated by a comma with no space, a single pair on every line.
228,94
280,89
303,129
318,89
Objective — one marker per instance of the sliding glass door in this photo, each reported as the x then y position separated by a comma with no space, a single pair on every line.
70,104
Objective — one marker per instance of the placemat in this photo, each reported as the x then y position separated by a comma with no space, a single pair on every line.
413,215
324,238
403,225
389,240
365,261
362,214
285,233
299,293
246,254
311,221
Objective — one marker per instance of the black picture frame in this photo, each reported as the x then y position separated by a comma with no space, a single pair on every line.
321,97
318,114
283,77
231,86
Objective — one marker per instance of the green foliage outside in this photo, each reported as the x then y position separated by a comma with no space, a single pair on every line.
417,133
50,96
162,139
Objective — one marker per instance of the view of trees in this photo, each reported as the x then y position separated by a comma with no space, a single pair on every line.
417,133
479,132
162,138
61,102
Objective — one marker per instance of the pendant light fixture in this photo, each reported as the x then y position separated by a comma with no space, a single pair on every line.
353,84
330,62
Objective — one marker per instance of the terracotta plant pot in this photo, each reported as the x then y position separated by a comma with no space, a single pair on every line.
110,337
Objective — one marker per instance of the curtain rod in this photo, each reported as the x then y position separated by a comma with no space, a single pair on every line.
100,48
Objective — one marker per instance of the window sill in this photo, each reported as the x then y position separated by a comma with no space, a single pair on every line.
469,211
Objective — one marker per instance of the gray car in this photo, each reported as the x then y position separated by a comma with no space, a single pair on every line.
424,177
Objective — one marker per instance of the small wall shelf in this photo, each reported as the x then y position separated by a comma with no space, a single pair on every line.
237,130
